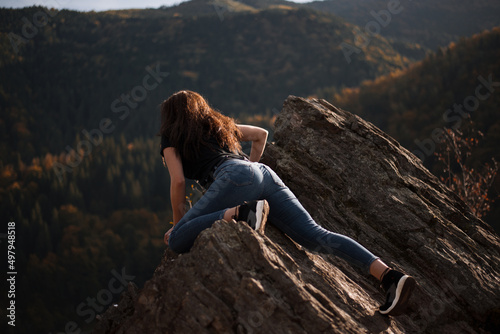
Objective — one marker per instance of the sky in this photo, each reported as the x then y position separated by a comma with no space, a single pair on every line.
97,5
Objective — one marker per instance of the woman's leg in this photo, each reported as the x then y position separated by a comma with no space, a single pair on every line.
186,231
378,269
290,217
239,181
236,182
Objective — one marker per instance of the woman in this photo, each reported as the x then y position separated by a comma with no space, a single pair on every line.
199,143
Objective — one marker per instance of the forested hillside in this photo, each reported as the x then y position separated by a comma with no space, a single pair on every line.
429,23
446,90
80,172
69,75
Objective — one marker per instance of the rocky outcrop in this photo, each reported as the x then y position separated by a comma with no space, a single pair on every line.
355,180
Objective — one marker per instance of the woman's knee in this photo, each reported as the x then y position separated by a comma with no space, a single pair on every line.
176,245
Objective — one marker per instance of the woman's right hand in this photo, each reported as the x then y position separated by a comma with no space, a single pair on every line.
167,235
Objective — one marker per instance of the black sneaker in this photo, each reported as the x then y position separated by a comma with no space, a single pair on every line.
254,213
398,288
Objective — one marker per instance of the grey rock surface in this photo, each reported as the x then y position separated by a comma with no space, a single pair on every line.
355,180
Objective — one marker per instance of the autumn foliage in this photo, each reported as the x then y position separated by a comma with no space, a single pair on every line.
471,184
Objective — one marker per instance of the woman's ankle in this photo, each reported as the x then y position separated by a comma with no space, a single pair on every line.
378,269
230,213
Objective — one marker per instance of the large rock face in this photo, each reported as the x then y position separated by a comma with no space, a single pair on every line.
355,180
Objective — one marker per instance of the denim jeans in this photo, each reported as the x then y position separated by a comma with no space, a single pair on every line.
237,181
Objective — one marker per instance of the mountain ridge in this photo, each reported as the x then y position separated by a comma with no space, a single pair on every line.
266,55
426,22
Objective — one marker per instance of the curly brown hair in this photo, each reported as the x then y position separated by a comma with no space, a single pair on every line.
188,122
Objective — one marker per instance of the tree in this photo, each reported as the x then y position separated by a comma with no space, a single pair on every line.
471,184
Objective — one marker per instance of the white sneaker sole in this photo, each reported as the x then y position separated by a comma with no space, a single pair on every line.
262,210
403,291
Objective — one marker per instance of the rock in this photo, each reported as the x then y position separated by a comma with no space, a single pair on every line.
355,180
118,312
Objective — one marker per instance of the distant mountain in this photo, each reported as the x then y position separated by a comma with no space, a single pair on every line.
443,90
207,7
426,22
79,68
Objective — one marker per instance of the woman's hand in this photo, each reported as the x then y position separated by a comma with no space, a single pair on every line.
167,235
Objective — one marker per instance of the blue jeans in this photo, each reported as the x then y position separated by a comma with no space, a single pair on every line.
237,181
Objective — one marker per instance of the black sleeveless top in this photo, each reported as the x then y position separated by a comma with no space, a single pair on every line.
210,157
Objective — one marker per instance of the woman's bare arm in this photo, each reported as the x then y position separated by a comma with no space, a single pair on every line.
177,183
258,137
